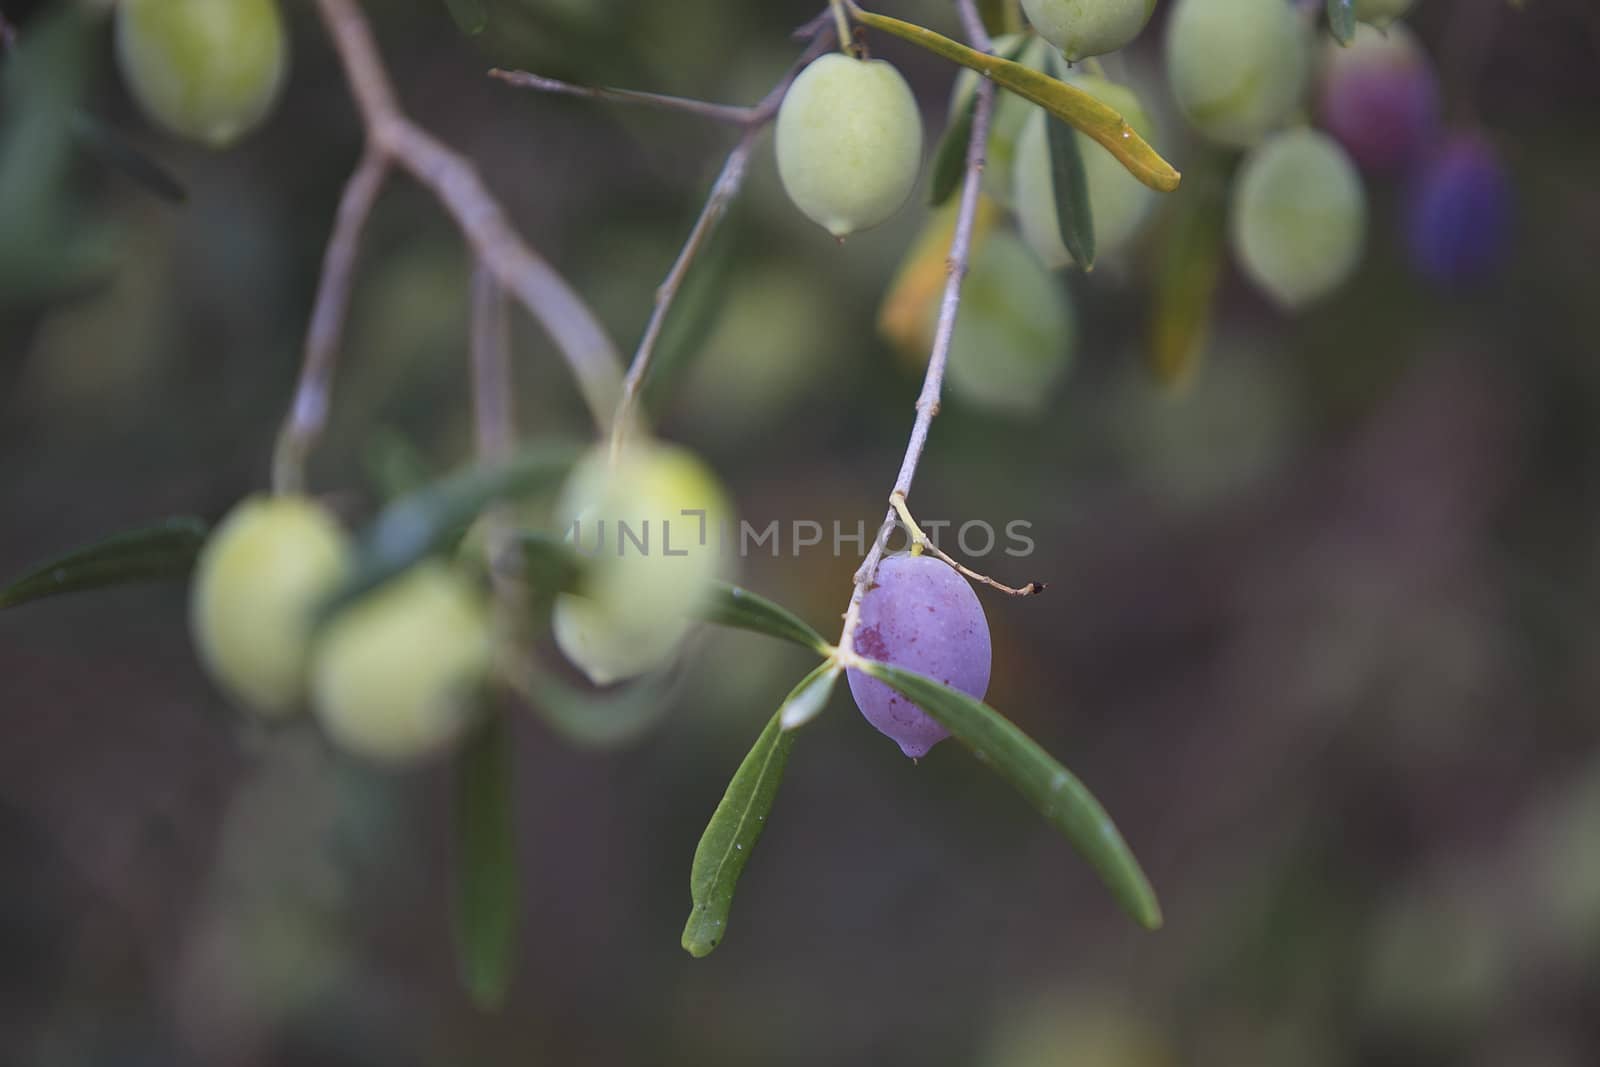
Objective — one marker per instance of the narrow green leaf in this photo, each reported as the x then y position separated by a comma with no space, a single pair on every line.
1342,20
732,834
1074,218
810,696
165,550
1191,269
1050,787
1070,104
115,151
393,464
487,883
950,158
594,719
698,307
419,523
470,15
731,605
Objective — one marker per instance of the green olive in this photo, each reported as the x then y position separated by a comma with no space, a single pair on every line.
208,70
256,583
395,677
849,142
1084,28
1238,68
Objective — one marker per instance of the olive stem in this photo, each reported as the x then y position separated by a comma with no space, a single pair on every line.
732,114
455,183
723,192
841,24
308,412
921,542
927,405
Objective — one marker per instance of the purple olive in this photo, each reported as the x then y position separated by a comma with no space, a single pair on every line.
1379,97
1459,216
924,617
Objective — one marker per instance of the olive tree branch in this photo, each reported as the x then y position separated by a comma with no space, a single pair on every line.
732,114
927,405
394,139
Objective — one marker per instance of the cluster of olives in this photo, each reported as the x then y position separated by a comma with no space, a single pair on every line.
206,70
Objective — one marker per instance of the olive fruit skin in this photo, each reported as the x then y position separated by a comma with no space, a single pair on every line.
258,579
1381,13
1379,97
1013,340
922,616
207,70
1084,28
395,676
849,142
1298,217
1238,68
1118,201
1458,214
651,556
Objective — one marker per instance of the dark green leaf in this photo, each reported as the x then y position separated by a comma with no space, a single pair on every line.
950,158
737,823
730,605
471,16
113,150
165,550
1050,787
487,884
1342,20
419,523
698,307
549,565
594,719
1071,187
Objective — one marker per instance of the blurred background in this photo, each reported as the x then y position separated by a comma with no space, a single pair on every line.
1321,629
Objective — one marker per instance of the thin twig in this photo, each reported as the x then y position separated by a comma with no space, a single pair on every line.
452,179
933,381
730,113
308,414
723,191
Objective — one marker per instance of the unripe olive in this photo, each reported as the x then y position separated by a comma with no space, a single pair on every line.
1014,334
209,70
849,142
1298,218
1084,28
1118,201
257,581
651,525
1381,12
1379,97
1010,112
1238,68
395,676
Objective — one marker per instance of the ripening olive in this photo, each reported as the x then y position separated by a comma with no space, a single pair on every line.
1459,213
651,526
1298,217
1238,68
849,142
1118,201
1379,97
395,676
209,70
256,584
1084,28
1013,337
1381,13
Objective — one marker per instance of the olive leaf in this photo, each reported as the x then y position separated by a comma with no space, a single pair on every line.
740,817
1342,20
810,697
731,605
470,15
1051,788
1070,186
421,522
1070,104
487,883
589,718
950,158
115,151
1191,268
165,550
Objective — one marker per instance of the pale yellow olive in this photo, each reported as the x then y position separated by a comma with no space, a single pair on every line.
208,70
1014,334
396,676
1298,217
1238,68
1118,202
849,142
1084,28
258,580
651,526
